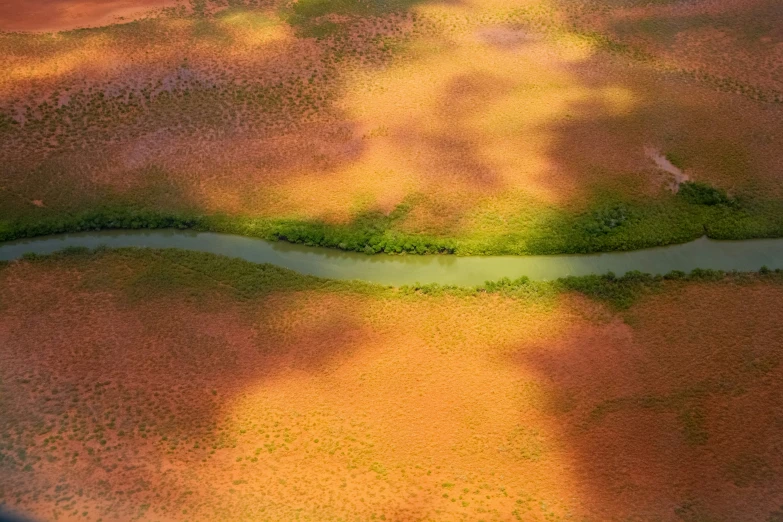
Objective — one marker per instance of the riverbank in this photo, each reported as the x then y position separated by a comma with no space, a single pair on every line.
607,227
726,256
267,266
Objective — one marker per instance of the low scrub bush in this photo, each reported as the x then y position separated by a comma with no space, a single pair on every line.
7,122
305,10
98,219
606,220
162,270
702,194
706,274
620,292
610,226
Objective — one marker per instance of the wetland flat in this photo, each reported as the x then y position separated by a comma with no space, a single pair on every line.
416,143
147,385
520,127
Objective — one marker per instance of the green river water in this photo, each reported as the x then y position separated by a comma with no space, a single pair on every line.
747,255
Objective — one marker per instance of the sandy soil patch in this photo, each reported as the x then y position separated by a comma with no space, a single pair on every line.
677,176
63,15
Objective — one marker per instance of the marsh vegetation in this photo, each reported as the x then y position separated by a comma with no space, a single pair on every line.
171,385
480,127
159,385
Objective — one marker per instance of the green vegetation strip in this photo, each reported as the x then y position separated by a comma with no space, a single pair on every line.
697,210
166,269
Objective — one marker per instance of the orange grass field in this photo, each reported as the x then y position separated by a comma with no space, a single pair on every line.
172,386
477,116
134,386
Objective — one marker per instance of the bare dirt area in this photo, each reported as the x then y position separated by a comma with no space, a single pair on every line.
136,387
64,15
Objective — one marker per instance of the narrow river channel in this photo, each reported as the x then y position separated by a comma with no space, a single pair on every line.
747,255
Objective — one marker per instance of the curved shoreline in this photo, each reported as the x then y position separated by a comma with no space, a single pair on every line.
570,237
704,253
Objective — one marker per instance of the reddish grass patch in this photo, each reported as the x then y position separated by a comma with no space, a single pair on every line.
194,404
475,116
63,15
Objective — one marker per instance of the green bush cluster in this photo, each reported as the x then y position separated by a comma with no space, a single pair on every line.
367,237
626,226
505,284
612,227
619,292
605,220
98,219
622,292
359,240
702,194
